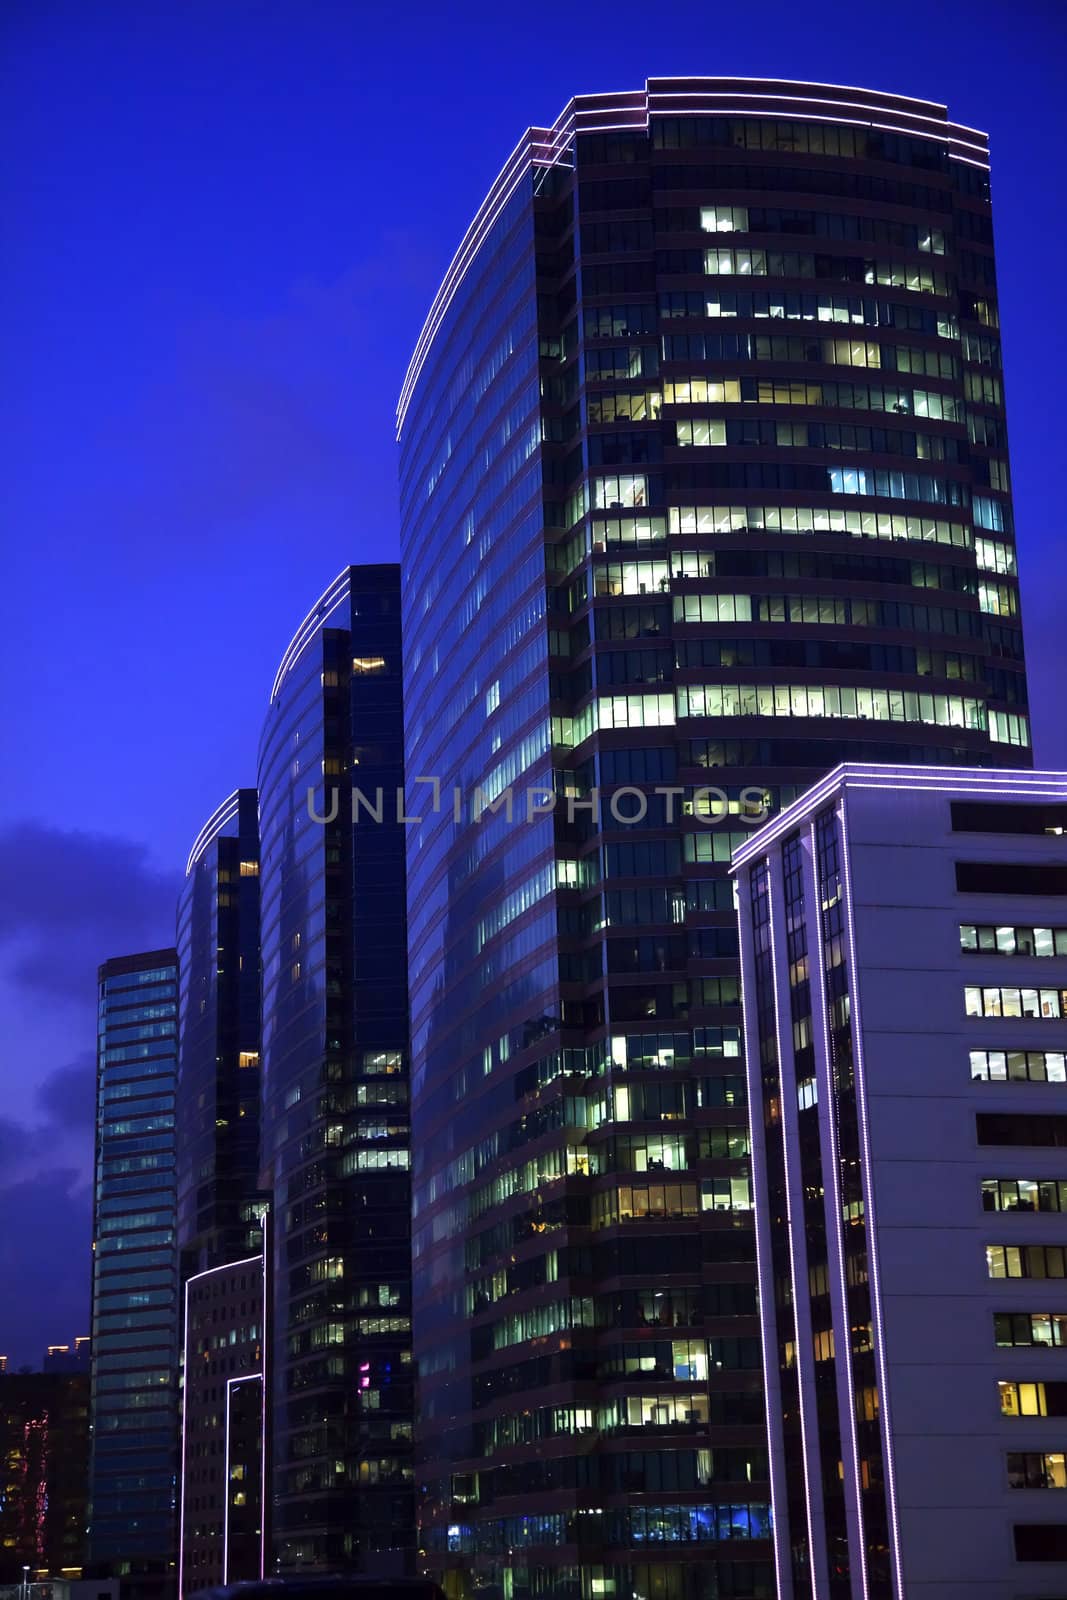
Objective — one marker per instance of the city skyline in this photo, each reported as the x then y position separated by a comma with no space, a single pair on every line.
48,1125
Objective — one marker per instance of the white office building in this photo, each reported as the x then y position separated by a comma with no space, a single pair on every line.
904,954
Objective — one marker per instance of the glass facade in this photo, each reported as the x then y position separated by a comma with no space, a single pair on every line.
132,1524
651,552
335,1086
218,1039
220,1222
224,1534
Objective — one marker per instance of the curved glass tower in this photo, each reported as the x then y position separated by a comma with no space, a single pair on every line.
218,1039
335,1087
704,488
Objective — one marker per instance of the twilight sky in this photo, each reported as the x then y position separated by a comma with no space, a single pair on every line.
224,224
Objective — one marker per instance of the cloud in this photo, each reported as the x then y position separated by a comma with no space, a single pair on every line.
69,900
68,1095
45,1262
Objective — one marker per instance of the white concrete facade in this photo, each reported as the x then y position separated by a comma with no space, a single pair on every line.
911,1126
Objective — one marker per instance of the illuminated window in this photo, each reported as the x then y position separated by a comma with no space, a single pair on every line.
362,664
1033,1470
248,1058
249,869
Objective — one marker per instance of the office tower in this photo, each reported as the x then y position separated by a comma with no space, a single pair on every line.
224,1505
335,1101
44,1465
703,481
222,1526
904,949
132,1528
218,1039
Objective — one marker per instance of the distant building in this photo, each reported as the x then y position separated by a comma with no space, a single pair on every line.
222,1528
65,1358
218,1039
335,1104
223,1455
44,1463
904,953
132,1522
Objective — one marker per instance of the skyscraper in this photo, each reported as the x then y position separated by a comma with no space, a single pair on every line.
222,1507
904,947
703,479
218,1038
335,1086
132,1526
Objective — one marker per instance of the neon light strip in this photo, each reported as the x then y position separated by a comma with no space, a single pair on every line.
801,83
324,607
593,114
227,1266
874,1266
1011,782
212,828
813,1487
848,88
764,1259
795,99
185,1403
226,1486
824,1069
264,1218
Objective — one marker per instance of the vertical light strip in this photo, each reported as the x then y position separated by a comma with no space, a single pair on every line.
873,1264
772,1388
832,1195
226,1484
796,1227
185,1403
264,1218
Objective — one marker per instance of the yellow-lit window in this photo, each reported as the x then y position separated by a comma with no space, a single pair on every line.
250,869
368,663
248,1058
1022,1400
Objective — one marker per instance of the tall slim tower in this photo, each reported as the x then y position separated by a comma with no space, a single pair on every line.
335,1087
132,1524
222,1504
218,1038
704,481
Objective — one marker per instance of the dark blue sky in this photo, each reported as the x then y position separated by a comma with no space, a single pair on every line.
224,224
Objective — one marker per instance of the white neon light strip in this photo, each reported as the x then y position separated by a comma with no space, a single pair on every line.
594,114
824,1071
1012,783
764,1263
800,83
214,825
185,1402
793,99
323,608
264,1220
795,1224
208,1272
874,1265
